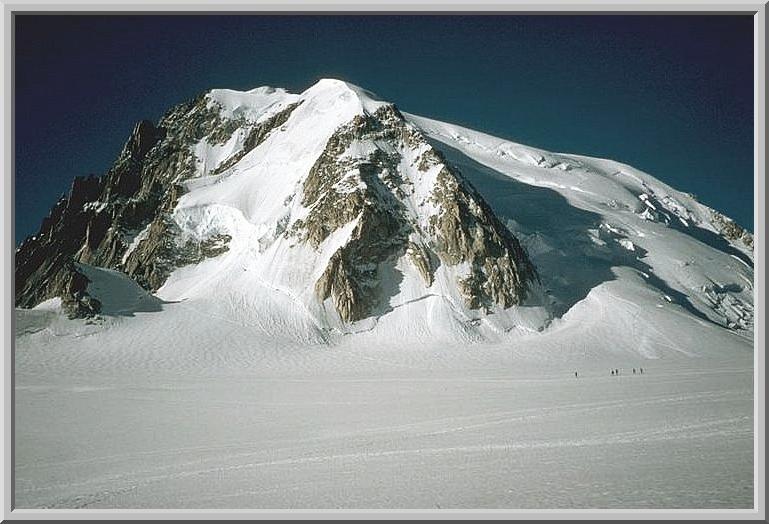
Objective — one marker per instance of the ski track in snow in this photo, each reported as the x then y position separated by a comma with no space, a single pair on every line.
507,416
718,428
681,406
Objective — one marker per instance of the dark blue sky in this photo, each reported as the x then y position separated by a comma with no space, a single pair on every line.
671,95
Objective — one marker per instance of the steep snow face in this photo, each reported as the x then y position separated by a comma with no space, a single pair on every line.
588,223
315,216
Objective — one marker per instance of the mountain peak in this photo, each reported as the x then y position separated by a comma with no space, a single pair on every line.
331,212
343,85
336,99
331,91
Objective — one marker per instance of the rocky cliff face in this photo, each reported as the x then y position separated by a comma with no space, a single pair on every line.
381,198
122,219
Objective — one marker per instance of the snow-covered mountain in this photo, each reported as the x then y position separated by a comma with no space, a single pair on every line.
315,216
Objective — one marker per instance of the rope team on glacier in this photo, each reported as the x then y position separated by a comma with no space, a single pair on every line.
615,372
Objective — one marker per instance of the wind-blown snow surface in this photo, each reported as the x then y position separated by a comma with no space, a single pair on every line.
230,389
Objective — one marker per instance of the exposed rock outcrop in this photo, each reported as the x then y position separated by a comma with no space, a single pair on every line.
371,192
44,262
468,231
731,230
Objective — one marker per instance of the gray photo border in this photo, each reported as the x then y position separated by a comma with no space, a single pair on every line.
12,7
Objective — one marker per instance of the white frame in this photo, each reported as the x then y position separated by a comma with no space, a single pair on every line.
9,8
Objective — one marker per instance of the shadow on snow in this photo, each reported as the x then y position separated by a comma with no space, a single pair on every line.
563,241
